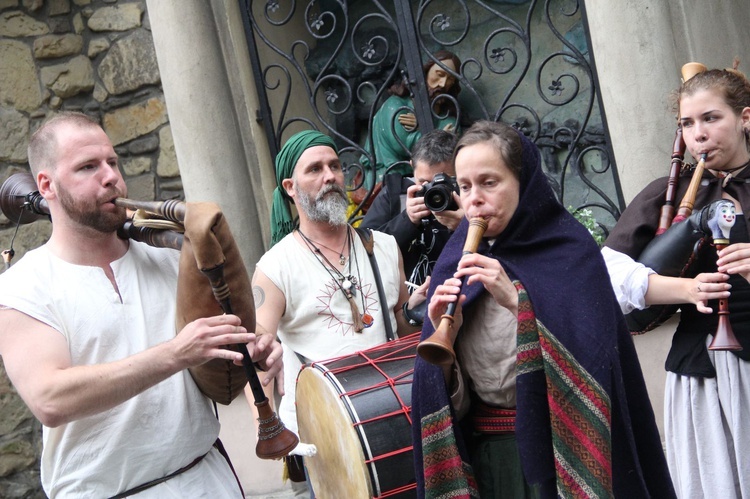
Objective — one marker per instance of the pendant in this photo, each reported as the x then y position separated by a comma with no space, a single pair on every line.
367,320
342,260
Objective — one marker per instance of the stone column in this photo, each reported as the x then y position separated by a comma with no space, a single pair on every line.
208,89
636,68
208,123
639,47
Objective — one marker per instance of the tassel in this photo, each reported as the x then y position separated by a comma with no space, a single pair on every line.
284,471
358,325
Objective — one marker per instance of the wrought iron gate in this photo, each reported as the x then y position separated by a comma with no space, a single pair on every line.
328,64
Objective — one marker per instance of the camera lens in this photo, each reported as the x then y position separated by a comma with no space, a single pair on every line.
436,199
440,198
438,194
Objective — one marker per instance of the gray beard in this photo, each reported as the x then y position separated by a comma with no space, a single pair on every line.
325,207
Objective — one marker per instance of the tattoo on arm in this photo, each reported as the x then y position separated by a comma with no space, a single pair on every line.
259,296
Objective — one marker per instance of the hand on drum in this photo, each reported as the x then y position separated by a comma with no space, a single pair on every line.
707,286
488,271
735,259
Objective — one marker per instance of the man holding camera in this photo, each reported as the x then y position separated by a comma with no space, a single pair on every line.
421,213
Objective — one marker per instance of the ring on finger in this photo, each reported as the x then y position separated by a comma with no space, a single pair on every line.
699,287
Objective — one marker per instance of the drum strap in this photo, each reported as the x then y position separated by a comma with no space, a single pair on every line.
493,420
369,242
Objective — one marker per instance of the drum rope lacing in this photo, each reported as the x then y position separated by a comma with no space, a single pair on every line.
389,381
382,354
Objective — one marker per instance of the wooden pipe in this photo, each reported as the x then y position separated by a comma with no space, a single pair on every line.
678,155
438,348
686,205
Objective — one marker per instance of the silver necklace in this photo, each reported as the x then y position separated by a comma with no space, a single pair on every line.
342,257
346,283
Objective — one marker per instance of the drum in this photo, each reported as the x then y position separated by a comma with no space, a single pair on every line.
356,409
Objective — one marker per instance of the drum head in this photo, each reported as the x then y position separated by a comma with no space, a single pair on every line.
338,469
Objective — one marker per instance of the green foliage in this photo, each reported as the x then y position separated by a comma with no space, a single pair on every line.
586,217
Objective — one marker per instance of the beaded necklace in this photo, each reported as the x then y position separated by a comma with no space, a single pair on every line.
342,258
346,283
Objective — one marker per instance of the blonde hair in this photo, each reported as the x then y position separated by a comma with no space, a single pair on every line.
43,144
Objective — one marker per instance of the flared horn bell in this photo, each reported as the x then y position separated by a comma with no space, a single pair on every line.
20,200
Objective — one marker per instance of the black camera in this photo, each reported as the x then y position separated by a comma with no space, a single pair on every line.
438,194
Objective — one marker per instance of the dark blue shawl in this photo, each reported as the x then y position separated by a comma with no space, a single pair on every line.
559,265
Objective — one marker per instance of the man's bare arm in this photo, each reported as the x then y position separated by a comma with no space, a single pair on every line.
38,364
270,304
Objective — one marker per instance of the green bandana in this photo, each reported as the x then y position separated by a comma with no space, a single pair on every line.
281,214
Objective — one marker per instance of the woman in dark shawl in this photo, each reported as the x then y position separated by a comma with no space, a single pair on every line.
582,422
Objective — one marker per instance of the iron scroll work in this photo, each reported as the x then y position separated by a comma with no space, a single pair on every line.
329,64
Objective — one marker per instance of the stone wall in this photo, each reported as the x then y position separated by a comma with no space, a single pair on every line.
94,56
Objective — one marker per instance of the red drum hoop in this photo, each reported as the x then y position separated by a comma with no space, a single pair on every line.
356,409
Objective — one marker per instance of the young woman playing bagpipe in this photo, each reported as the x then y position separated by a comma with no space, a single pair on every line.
707,395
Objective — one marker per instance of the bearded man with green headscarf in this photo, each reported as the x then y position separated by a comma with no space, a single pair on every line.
315,289
281,215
